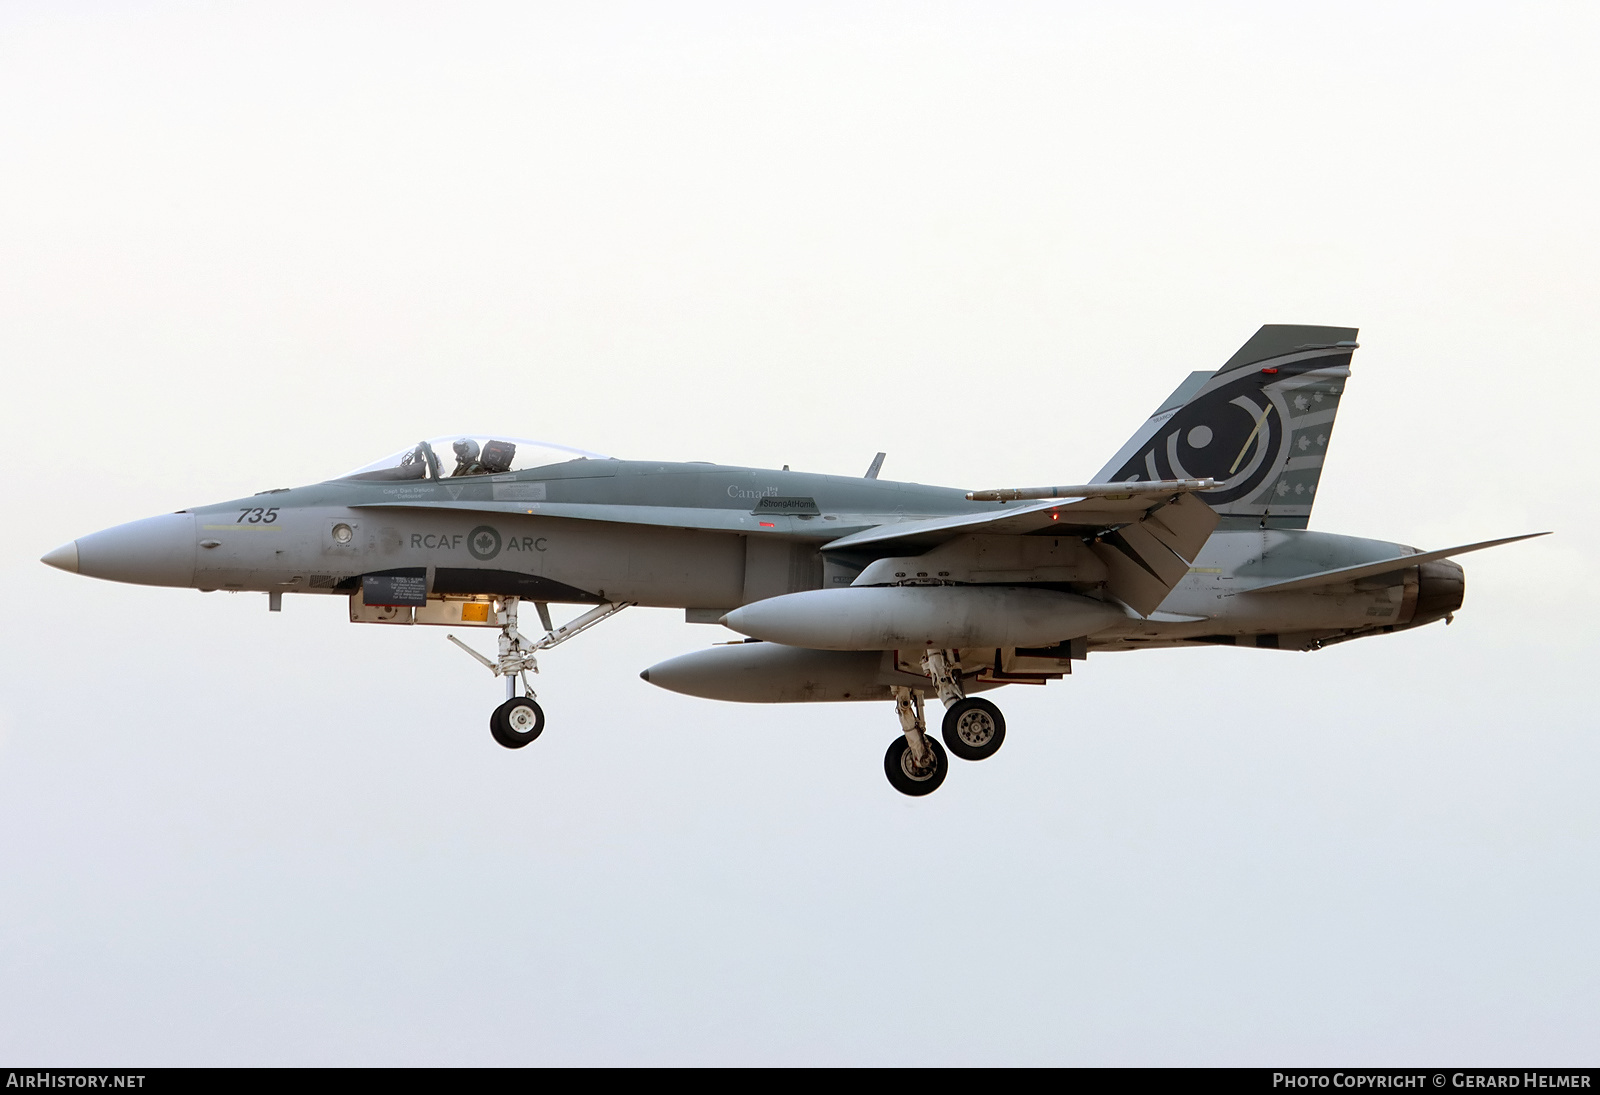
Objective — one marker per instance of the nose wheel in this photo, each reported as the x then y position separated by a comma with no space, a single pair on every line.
517,722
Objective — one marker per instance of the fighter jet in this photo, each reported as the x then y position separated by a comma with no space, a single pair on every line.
847,589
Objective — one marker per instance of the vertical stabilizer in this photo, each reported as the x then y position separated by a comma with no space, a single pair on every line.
1260,426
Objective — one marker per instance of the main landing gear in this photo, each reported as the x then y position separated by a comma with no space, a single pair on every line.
973,729
520,719
915,764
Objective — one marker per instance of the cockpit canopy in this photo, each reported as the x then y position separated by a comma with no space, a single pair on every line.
456,455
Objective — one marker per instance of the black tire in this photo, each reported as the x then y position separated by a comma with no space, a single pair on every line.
902,776
974,729
516,722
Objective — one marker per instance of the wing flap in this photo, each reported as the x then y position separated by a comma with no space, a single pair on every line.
1143,547
1183,525
1129,577
1146,559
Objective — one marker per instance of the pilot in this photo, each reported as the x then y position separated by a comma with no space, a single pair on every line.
466,458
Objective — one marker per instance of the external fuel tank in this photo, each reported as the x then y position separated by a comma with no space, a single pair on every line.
923,617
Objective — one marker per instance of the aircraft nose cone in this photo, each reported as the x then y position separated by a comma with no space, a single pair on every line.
157,551
64,558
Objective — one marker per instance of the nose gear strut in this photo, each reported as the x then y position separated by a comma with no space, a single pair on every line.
520,719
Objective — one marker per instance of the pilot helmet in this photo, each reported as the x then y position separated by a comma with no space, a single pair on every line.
466,450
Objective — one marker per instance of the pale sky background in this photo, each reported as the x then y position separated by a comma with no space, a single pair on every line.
251,246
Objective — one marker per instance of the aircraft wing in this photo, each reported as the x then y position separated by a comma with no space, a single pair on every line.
1079,515
1145,537
1382,566
1146,534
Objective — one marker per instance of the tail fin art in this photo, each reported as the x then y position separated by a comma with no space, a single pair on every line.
1259,425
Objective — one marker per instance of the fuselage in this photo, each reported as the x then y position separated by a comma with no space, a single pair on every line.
707,539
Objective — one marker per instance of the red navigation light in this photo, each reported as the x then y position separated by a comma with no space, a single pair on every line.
1270,372
766,524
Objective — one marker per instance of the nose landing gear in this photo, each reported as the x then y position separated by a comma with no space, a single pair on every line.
520,719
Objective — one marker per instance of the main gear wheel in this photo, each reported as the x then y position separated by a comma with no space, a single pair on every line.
906,775
974,729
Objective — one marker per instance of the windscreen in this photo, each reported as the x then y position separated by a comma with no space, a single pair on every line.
467,454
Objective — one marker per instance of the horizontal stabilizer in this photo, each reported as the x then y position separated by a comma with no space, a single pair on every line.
1382,566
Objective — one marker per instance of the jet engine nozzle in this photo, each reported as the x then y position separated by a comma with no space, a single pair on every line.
1441,587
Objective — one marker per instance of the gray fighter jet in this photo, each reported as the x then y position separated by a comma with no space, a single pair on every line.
854,589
